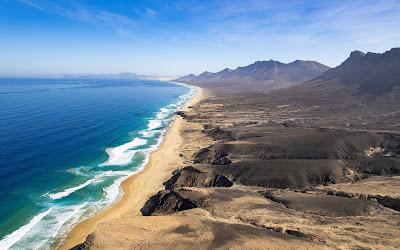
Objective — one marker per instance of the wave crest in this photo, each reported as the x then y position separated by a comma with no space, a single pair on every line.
9,240
122,155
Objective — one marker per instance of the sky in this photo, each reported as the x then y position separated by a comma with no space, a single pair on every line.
183,36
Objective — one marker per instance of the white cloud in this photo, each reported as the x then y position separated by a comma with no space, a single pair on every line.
150,12
117,22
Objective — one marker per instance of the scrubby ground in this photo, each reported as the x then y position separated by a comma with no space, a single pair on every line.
281,169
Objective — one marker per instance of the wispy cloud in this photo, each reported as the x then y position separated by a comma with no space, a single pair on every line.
150,12
224,22
363,22
32,4
119,23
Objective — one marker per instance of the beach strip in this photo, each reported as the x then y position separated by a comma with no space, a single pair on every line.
140,186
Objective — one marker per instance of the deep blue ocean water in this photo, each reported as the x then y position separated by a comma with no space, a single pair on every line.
65,145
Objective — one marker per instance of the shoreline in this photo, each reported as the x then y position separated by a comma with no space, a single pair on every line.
138,187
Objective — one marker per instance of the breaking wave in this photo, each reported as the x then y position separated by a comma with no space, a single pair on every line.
48,227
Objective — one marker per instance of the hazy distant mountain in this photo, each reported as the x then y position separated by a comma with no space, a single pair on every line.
259,75
370,73
124,75
186,78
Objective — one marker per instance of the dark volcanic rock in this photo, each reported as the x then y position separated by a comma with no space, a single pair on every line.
224,160
221,181
386,201
183,177
391,145
287,159
212,153
192,177
294,174
317,144
325,205
167,202
297,234
85,245
181,113
389,202
380,166
220,134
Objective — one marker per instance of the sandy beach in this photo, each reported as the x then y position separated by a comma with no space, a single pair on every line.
140,186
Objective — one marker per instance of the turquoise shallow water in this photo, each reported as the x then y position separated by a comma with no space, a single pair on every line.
67,144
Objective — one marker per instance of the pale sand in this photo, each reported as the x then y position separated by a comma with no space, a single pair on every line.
139,187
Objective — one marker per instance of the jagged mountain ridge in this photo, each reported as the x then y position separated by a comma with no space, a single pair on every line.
368,73
260,75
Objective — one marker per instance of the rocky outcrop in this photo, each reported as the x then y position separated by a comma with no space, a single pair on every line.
181,113
211,154
321,204
224,160
220,134
85,245
293,174
288,159
167,202
386,201
193,177
380,166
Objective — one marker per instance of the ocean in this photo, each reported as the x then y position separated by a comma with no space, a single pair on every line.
66,145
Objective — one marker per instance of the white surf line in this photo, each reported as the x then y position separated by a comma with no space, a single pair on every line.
9,240
111,193
69,191
60,223
147,134
122,155
154,124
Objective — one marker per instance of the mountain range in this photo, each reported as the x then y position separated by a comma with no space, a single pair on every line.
364,73
259,75
360,73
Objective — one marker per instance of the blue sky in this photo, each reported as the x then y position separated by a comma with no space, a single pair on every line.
179,37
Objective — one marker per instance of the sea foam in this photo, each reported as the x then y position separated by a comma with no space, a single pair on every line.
56,222
99,177
69,191
154,124
123,155
53,225
14,237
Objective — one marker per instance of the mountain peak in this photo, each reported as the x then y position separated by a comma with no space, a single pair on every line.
357,54
269,74
299,62
266,62
372,73
394,51
226,70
